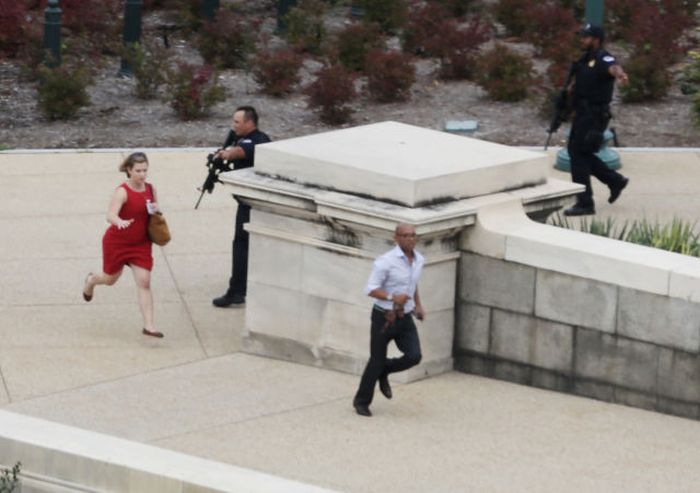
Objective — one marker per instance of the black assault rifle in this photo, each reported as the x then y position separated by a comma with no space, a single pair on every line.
215,165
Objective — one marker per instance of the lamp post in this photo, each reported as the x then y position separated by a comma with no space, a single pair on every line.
283,8
594,12
52,33
132,30
209,8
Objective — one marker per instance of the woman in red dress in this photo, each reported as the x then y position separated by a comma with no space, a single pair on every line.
126,241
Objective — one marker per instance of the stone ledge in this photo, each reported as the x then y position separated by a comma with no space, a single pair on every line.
92,460
504,231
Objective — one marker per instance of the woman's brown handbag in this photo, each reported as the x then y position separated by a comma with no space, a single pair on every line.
158,230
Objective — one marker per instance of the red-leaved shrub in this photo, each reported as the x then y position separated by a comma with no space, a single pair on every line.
550,25
457,46
12,23
191,90
658,31
655,31
422,27
277,71
390,75
331,94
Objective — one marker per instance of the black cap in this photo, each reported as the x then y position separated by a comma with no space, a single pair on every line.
593,31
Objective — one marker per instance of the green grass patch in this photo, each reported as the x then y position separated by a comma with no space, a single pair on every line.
678,235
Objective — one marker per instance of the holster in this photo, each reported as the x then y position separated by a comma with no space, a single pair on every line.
390,316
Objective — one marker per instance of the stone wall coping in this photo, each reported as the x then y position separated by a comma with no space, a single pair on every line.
55,441
248,183
504,231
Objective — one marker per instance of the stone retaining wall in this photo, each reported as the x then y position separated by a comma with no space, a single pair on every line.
567,333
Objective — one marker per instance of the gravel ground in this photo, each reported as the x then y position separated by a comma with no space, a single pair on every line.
116,118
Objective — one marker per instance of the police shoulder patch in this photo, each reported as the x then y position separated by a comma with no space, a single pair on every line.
608,58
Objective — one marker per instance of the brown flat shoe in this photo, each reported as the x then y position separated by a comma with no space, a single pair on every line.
159,335
87,297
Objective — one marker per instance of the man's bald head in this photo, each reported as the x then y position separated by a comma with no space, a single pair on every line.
404,228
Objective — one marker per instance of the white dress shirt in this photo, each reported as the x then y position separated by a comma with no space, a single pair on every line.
393,273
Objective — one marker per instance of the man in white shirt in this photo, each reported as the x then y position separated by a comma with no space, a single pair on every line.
394,286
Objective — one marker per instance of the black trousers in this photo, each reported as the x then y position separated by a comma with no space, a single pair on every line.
585,140
239,270
404,333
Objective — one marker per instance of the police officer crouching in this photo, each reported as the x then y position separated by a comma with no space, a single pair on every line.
240,149
595,74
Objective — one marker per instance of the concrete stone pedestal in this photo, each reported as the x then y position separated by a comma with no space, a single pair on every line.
324,206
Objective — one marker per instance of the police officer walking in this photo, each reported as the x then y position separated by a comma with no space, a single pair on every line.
240,149
592,88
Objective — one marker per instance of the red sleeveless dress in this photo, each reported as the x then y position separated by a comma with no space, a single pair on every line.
129,246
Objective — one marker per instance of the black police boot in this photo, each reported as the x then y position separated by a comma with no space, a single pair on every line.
617,190
580,210
228,299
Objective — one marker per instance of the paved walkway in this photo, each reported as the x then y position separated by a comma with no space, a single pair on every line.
87,364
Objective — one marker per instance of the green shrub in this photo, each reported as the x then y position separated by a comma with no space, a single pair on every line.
277,71
690,77
695,108
390,75
62,91
191,90
354,42
505,74
305,29
9,479
389,14
331,94
227,42
149,64
649,79
512,14
678,236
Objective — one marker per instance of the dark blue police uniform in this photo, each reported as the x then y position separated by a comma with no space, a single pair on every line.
593,91
239,274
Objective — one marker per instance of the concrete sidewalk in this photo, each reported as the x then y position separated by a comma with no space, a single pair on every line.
87,364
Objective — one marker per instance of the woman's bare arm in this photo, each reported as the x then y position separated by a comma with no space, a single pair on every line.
115,205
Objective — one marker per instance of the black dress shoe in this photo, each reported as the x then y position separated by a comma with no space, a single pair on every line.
228,300
384,386
362,410
580,210
616,191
